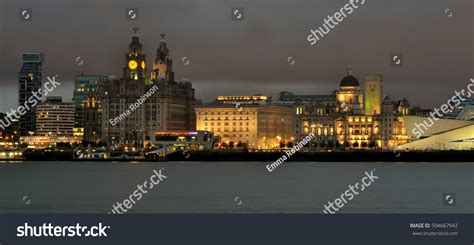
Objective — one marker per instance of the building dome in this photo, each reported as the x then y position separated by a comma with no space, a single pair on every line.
349,81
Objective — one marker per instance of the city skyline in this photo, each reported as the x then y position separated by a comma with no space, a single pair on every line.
240,58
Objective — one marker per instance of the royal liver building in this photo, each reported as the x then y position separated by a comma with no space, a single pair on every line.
139,102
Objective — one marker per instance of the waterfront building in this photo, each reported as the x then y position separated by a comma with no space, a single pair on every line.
445,134
169,105
83,86
54,117
313,114
342,119
252,126
29,81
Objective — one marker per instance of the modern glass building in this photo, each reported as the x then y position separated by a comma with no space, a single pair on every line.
29,81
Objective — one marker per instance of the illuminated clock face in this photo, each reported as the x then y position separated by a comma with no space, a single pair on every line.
132,64
143,64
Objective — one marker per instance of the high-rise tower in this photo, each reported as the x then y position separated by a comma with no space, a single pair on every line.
29,81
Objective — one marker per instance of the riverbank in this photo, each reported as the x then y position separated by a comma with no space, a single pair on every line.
355,156
243,156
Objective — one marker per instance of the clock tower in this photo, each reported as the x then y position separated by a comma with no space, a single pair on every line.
135,64
163,65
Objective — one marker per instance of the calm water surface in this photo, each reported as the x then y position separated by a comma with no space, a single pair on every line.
210,187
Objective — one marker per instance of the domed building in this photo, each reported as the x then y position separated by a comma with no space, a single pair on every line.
349,96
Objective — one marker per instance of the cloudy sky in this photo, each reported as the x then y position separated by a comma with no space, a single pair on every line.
249,56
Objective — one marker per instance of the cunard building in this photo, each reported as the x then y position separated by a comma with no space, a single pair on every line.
163,104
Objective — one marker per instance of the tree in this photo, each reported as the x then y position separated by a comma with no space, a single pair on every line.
364,144
372,144
282,144
355,145
289,144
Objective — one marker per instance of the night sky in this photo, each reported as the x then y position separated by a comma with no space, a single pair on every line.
249,56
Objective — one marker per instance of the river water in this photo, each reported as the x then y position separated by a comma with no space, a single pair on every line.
234,187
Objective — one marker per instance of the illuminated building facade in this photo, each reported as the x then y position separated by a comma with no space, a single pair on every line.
54,117
41,142
9,133
243,99
349,95
170,107
252,125
341,118
313,114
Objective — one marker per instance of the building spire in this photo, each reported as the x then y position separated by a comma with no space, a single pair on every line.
349,70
